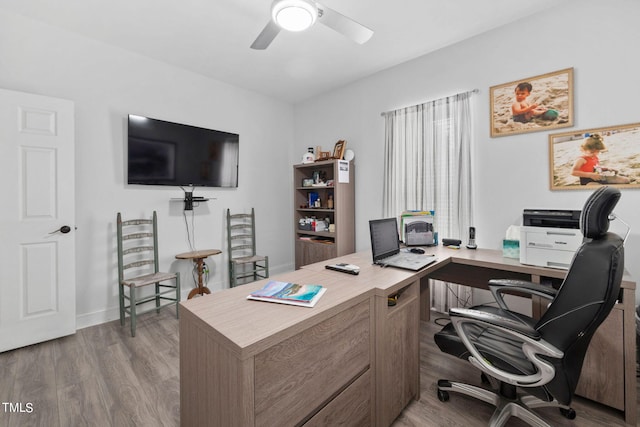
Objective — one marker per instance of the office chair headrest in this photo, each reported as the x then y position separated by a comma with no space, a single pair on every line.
594,219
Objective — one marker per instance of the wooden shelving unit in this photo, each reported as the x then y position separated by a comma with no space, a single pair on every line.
314,246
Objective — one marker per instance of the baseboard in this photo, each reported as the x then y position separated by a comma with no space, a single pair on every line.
113,313
97,317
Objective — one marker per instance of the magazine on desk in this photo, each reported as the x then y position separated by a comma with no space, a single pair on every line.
288,293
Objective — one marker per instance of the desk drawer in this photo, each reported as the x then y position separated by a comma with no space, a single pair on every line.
397,353
299,376
352,408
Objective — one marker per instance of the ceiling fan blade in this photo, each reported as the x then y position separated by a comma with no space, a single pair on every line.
266,36
345,26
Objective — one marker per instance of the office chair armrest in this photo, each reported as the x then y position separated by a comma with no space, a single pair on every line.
495,320
500,286
532,346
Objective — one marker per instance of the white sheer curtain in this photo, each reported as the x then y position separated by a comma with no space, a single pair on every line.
428,167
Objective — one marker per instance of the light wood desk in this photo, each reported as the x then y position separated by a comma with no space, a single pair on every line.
352,358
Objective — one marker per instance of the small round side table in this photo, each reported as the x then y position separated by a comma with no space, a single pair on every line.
198,257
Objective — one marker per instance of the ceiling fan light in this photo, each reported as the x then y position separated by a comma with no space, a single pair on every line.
294,15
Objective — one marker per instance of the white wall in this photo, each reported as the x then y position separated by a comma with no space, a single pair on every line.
598,39
106,84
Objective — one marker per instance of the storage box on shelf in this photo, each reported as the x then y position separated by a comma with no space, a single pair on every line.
324,206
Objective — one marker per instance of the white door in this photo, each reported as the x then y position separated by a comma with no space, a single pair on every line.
37,263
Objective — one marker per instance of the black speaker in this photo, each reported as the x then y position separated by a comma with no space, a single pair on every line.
451,242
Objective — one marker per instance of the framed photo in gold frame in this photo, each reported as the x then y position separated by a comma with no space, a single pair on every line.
338,149
582,159
532,104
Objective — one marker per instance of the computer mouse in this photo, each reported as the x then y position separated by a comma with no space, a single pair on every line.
417,250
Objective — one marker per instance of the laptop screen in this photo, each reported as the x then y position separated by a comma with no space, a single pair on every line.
384,238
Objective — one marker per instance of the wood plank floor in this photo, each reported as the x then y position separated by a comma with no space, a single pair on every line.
102,377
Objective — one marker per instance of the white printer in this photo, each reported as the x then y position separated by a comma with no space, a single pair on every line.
549,238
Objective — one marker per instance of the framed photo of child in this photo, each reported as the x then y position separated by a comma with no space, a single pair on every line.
582,159
532,104
338,149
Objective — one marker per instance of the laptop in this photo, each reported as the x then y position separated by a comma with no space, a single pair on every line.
385,245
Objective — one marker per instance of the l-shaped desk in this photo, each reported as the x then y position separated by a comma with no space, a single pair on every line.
353,358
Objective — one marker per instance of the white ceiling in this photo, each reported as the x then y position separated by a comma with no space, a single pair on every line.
212,37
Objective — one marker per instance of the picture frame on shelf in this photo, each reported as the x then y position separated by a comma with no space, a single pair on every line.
338,149
616,148
322,155
550,94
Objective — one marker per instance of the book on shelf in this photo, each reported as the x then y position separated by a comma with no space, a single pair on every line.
312,198
288,293
326,241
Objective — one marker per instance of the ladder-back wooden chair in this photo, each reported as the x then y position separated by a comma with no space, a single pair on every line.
138,268
241,243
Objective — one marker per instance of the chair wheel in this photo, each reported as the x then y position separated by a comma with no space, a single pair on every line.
443,396
568,413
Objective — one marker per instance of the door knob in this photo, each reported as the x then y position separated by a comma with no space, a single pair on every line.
64,230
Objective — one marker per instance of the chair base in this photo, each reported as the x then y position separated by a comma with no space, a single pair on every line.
519,407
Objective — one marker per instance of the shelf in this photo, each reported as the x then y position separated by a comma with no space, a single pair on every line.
317,163
318,242
195,199
195,202
326,245
326,210
316,233
317,187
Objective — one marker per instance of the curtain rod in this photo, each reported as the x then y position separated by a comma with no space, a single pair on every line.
431,100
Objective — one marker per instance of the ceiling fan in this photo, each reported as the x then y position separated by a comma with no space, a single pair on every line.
298,15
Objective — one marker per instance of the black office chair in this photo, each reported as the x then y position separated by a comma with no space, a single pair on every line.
537,363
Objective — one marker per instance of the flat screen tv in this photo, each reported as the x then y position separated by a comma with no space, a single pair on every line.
166,153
